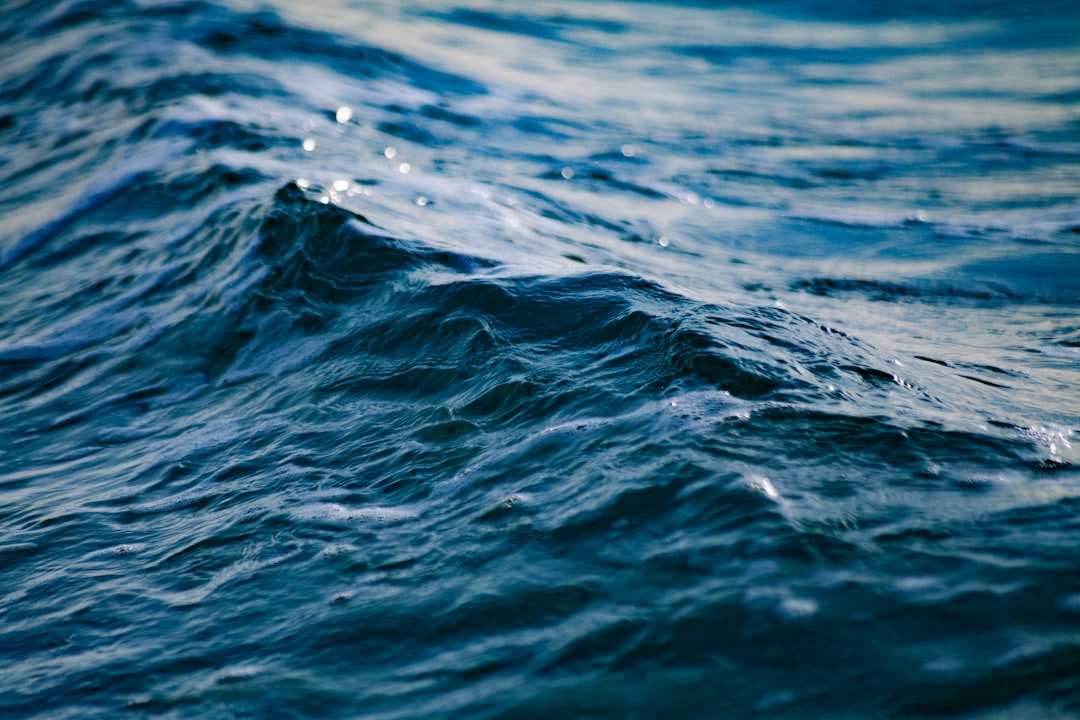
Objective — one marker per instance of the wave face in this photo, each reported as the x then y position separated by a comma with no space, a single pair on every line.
397,360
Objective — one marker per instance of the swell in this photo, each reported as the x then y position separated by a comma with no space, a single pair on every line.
261,453
453,419
294,288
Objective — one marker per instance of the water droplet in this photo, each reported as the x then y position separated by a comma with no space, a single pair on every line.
303,183
390,152
344,114
567,172
628,150
341,185
421,201
404,168
663,241
310,144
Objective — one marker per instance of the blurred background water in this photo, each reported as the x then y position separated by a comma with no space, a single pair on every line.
603,359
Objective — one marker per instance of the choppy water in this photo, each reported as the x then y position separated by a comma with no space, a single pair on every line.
546,359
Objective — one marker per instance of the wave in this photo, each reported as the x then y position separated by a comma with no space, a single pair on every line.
337,380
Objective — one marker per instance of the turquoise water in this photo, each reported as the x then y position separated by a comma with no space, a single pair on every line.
607,359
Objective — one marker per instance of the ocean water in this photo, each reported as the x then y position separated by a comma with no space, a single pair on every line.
372,359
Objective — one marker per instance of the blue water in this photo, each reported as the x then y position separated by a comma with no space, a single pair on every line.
373,359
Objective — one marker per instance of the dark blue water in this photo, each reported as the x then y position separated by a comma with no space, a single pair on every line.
539,359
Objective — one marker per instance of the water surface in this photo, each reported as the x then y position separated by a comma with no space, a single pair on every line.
607,359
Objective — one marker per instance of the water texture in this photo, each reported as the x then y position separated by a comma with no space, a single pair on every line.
611,359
